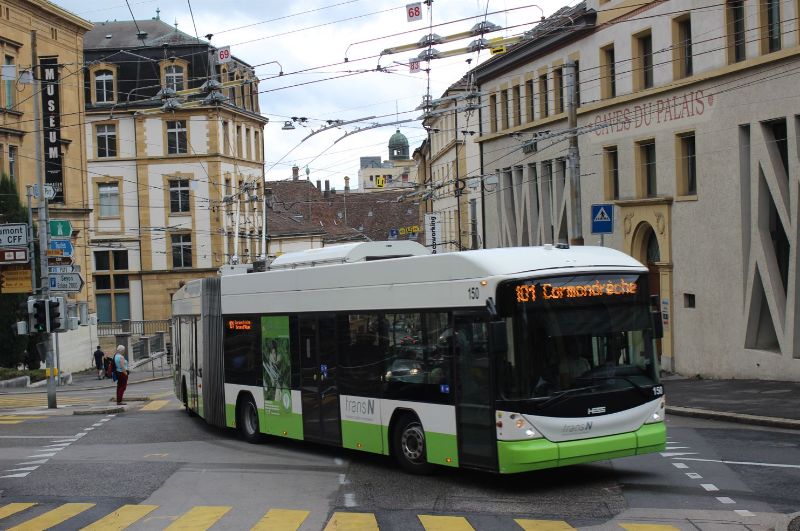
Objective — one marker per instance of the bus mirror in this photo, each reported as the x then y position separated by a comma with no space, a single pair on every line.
498,338
655,312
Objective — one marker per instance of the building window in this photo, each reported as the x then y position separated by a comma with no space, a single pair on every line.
611,160
558,90
176,137
179,196
682,51
239,141
173,77
106,140
104,86
646,154
257,142
608,72
112,286
226,138
544,109
778,131
517,104
493,113
529,99
771,21
248,144
181,250
687,165
643,62
736,31
10,89
12,163
108,199
504,108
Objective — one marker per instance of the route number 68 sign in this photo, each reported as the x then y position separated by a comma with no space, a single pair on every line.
414,12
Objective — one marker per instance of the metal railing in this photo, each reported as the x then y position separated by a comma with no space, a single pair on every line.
126,326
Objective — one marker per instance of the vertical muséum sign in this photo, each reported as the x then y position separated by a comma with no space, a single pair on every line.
51,114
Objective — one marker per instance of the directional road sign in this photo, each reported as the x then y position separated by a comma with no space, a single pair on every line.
13,235
60,229
60,269
602,218
58,260
66,282
16,279
65,246
13,256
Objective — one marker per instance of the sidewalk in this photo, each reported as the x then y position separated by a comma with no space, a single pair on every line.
759,402
88,379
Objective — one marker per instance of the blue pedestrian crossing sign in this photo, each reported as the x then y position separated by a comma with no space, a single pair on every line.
602,218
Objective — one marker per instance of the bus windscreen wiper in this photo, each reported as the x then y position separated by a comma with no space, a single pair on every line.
638,387
557,398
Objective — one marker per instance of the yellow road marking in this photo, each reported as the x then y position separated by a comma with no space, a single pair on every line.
22,417
445,523
281,520
10,421
352,522
155,405
13,508
121,518
543,525
199,517
649,527
53,518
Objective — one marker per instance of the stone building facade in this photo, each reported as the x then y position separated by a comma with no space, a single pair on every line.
688,128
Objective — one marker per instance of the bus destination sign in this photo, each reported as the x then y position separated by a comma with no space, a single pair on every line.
527,293
240,324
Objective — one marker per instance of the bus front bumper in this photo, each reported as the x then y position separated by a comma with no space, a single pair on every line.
524,456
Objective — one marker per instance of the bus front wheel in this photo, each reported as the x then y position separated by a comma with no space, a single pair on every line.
248,421
409,446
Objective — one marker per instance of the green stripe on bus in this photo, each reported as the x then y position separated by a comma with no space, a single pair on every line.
283,425
442,448
362,436
230,415
522,456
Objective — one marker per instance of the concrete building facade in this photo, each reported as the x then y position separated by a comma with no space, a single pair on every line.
168,189
59,62
688,128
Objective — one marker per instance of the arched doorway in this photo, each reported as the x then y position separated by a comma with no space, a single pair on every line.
648,251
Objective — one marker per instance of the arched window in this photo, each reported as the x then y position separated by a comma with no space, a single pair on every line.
173,77
104,86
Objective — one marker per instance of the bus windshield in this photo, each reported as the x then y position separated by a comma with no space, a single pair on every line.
576,335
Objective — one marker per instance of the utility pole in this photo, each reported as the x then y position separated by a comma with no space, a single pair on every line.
44,229
573,157
31,245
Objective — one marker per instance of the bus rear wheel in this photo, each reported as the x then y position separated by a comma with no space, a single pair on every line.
409,446
248,421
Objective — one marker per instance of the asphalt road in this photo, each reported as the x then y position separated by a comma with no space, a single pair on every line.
712,476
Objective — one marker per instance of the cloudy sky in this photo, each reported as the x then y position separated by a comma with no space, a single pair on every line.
308,40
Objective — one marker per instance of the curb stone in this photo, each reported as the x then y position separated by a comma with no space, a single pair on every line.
132,399
99,410
741,418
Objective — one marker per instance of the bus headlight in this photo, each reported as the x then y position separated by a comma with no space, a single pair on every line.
516,427
658,413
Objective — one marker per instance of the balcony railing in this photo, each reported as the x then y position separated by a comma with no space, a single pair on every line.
137,328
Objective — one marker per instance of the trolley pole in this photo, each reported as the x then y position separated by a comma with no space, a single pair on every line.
573,157
44,229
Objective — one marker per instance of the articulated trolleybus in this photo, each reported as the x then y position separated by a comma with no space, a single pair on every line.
507,360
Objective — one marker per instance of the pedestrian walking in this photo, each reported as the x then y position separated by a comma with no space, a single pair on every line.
98,362
121,369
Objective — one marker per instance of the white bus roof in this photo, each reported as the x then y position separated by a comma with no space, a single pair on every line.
348,253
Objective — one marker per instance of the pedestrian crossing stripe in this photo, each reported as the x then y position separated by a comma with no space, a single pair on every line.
602,215
206,516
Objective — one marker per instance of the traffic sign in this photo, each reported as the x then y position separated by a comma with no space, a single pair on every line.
58,260
60,229
413,12
66,282
61,269
14,235
65,246
16,279
49,191
14,256
224,55
602,218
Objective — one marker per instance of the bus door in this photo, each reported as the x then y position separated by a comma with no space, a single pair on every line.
319,388
477,437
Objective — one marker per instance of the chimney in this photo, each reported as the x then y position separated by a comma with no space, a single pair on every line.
319,185
346,183
327,188
295,173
